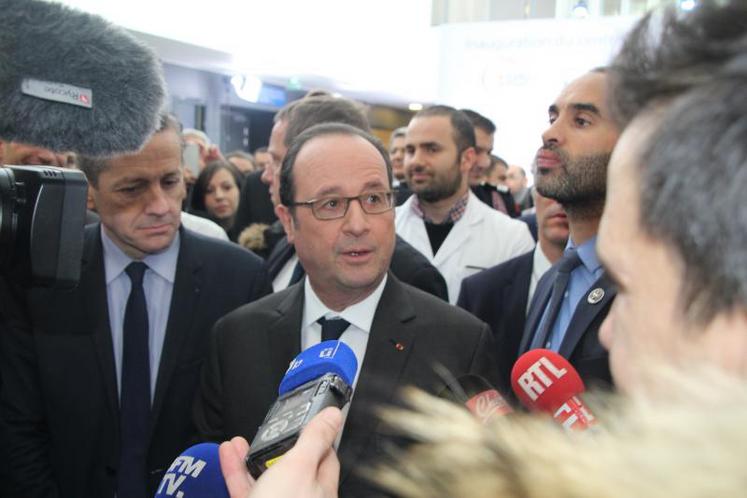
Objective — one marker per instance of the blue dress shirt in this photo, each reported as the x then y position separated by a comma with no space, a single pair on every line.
580,283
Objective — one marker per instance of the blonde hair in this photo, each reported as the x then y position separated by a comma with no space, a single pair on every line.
687,441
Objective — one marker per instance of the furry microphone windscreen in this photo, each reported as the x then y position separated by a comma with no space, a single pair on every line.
71,81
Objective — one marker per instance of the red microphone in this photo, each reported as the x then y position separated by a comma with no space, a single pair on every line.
544,381
478,396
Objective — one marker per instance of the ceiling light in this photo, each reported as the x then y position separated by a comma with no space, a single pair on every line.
415,107
580,10
688,5
247,87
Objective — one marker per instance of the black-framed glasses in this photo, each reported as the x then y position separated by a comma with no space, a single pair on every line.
333,207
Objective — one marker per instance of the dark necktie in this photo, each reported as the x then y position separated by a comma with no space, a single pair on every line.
297,275
567,263
332,328
134,406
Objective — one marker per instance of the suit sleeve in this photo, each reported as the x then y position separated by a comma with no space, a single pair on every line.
22,409
208,406
262,283
484,362
430,280
463,301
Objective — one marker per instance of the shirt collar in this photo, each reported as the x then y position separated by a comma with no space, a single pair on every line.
115,260
360,314
455,213
588,253
540,263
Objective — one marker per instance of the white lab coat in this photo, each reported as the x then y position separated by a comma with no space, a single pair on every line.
482,238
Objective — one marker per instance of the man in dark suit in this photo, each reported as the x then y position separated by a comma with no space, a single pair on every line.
337,208
97,390
499,296
574,296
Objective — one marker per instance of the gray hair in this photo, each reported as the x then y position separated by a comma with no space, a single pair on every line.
693,169
92,166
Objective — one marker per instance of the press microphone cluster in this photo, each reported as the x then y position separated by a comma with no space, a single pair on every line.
545,382
318,377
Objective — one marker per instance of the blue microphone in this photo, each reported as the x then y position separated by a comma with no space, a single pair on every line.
318,377
326,357
194,474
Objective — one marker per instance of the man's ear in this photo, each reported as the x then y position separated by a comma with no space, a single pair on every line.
286,218
467,160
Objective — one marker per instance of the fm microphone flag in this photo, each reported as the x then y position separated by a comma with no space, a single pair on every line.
194,474
71,81
546,382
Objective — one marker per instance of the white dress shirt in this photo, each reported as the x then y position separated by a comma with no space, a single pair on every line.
158,284
360,316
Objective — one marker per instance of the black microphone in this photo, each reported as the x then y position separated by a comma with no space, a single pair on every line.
71,81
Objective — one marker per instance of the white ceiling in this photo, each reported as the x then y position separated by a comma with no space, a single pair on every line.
382,51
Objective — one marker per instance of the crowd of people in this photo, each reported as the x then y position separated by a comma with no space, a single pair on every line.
204,274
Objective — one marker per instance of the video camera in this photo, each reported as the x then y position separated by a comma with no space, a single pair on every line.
42,214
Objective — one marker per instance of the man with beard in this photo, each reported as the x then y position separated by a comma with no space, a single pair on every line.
574,296
444,220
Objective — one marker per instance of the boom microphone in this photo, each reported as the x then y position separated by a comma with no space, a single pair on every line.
480,398
318,377
544,381
194,474
71,81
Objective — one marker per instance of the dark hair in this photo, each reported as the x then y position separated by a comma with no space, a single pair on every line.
287,189
93,166
462,128
692,80
311,111
400,132
260,150
480,121
206,175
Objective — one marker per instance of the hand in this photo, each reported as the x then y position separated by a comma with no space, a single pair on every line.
309,469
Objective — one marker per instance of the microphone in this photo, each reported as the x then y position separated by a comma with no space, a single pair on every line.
544,381
195,473
71,81
318,377
476,393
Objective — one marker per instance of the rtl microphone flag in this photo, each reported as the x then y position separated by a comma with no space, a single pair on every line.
544,381
194,474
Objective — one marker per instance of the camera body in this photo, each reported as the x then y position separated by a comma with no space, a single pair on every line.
42,215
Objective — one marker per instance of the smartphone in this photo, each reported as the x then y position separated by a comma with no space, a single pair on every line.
191,158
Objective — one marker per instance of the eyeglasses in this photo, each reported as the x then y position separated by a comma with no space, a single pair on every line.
334,207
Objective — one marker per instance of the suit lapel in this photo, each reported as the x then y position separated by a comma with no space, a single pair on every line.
537,308
284,335
389,346
585,313
93,287
185,300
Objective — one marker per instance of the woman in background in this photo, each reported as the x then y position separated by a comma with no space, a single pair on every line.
216,194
